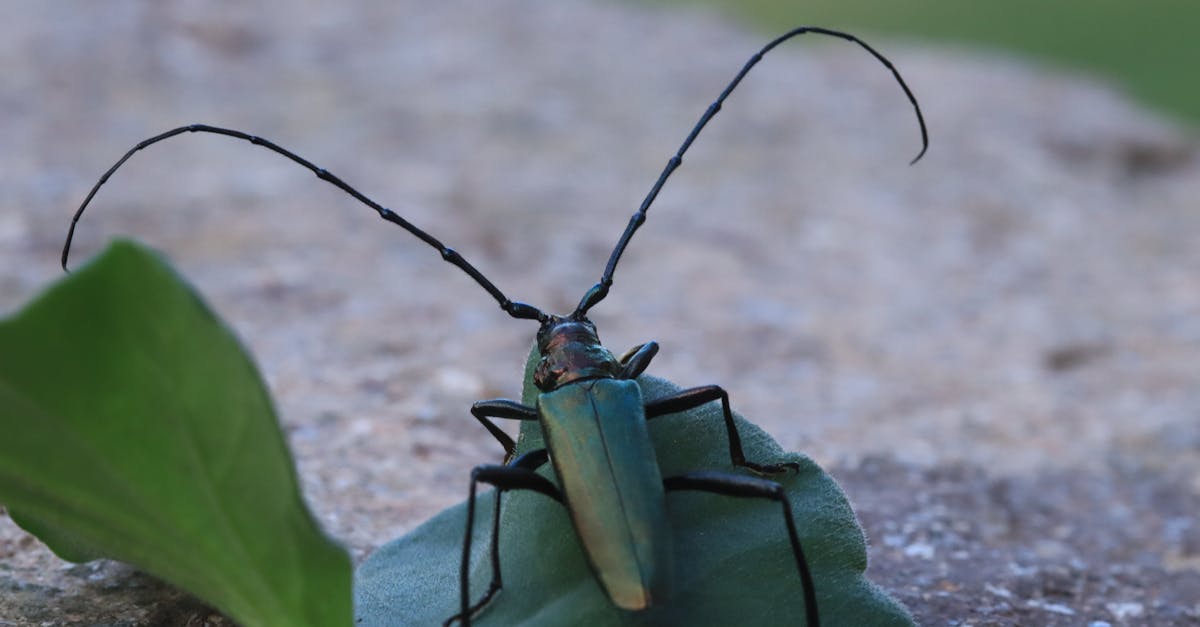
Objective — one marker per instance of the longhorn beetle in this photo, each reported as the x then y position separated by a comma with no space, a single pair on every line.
590,403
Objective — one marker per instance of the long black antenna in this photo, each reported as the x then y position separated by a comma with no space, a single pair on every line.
600,290
514,309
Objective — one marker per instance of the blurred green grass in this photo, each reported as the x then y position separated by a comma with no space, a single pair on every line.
1149,48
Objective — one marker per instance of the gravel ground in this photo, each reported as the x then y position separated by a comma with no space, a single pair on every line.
994,350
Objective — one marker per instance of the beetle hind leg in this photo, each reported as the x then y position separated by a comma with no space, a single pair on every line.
754,487
516,475
695,397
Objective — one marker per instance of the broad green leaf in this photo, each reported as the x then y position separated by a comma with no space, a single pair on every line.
133,426
733,562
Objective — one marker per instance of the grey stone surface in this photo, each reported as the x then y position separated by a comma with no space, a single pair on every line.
995,349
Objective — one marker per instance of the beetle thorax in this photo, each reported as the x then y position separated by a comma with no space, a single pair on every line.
571,351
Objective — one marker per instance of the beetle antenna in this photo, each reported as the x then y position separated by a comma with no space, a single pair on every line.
514,309
600,290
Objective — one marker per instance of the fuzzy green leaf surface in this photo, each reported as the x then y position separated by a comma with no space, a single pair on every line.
733,561
133,426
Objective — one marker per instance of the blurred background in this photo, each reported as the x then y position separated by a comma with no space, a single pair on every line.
1149,49
994,350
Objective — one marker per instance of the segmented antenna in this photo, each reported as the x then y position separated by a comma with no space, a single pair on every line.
600,290
514,309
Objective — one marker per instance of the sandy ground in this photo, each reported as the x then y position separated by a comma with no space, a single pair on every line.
994,350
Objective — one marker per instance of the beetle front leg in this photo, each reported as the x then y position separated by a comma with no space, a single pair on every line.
695,397
637,359
517,475
502,408
754,487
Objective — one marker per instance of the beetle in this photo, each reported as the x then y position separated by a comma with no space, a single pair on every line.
590,409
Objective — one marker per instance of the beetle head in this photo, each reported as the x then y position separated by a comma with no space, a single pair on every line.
571,351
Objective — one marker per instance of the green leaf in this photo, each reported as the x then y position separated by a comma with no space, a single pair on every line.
135,427
733,562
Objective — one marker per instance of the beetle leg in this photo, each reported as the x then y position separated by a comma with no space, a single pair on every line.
743,486
636,359
516,475
695,397
501,408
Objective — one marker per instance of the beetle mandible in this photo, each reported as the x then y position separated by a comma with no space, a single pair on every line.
591,411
